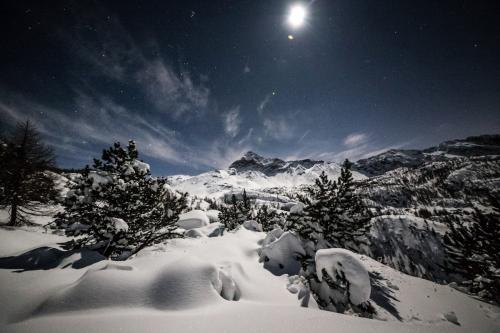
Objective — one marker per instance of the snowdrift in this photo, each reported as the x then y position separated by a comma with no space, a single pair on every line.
214,284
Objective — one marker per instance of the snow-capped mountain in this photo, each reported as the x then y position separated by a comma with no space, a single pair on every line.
262,177
411,158
270,167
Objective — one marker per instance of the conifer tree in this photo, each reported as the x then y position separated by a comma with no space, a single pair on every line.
473,252
334,216
25,182
236,212
118,207
228,215
267,218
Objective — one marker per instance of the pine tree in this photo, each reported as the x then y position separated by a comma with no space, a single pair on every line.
334,216
351,214
267,218
118,207
25,181
473,252
236,212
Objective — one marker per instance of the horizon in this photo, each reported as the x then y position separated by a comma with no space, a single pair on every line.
198,84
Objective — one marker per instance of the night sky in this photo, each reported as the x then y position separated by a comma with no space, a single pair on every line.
198,83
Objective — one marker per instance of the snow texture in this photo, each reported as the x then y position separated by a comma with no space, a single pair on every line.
252,225
342,262
193,219
280,256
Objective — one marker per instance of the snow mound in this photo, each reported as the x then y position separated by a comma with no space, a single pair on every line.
342,262
213,215
119,224
272,236
280,257
183,284
212,230
252,225
297,208
193,219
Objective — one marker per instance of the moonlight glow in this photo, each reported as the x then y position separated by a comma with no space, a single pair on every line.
297,16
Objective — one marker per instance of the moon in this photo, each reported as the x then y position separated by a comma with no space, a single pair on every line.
297,16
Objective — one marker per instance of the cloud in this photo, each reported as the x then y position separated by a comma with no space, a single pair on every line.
306,133
359,152
96,121
355,139
278,128
114,54
232,122
247,137
262,105
171,93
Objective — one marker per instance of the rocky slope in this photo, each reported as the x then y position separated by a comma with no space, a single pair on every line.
395,158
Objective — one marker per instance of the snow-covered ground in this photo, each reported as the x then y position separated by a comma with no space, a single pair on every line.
209,284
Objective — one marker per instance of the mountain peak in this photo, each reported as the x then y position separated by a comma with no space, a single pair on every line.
252,161
250,155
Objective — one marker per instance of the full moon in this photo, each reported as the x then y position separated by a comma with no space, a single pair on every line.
297,16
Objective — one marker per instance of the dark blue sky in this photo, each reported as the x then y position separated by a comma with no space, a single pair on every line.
198,83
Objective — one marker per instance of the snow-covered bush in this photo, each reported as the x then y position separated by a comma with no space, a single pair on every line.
341,280
282,255
122,208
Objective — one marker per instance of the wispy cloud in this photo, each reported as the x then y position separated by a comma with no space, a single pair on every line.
262,105
116,56
97,120
232,122
306,133
172,93
355,139
359,152
278,128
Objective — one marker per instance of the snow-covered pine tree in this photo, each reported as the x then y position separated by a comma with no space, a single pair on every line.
350,214
267,218
334,216
236,212
473,252
228,215
118,207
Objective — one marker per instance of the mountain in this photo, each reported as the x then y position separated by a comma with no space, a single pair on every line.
269,167
410,158
269,179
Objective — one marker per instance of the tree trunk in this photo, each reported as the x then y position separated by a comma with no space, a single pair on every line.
13,212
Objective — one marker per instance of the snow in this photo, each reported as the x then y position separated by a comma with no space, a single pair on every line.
193,219
213,215
215,184
342,262
142,167
280,256
98,179
207,284
252,225
297,208
119,224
